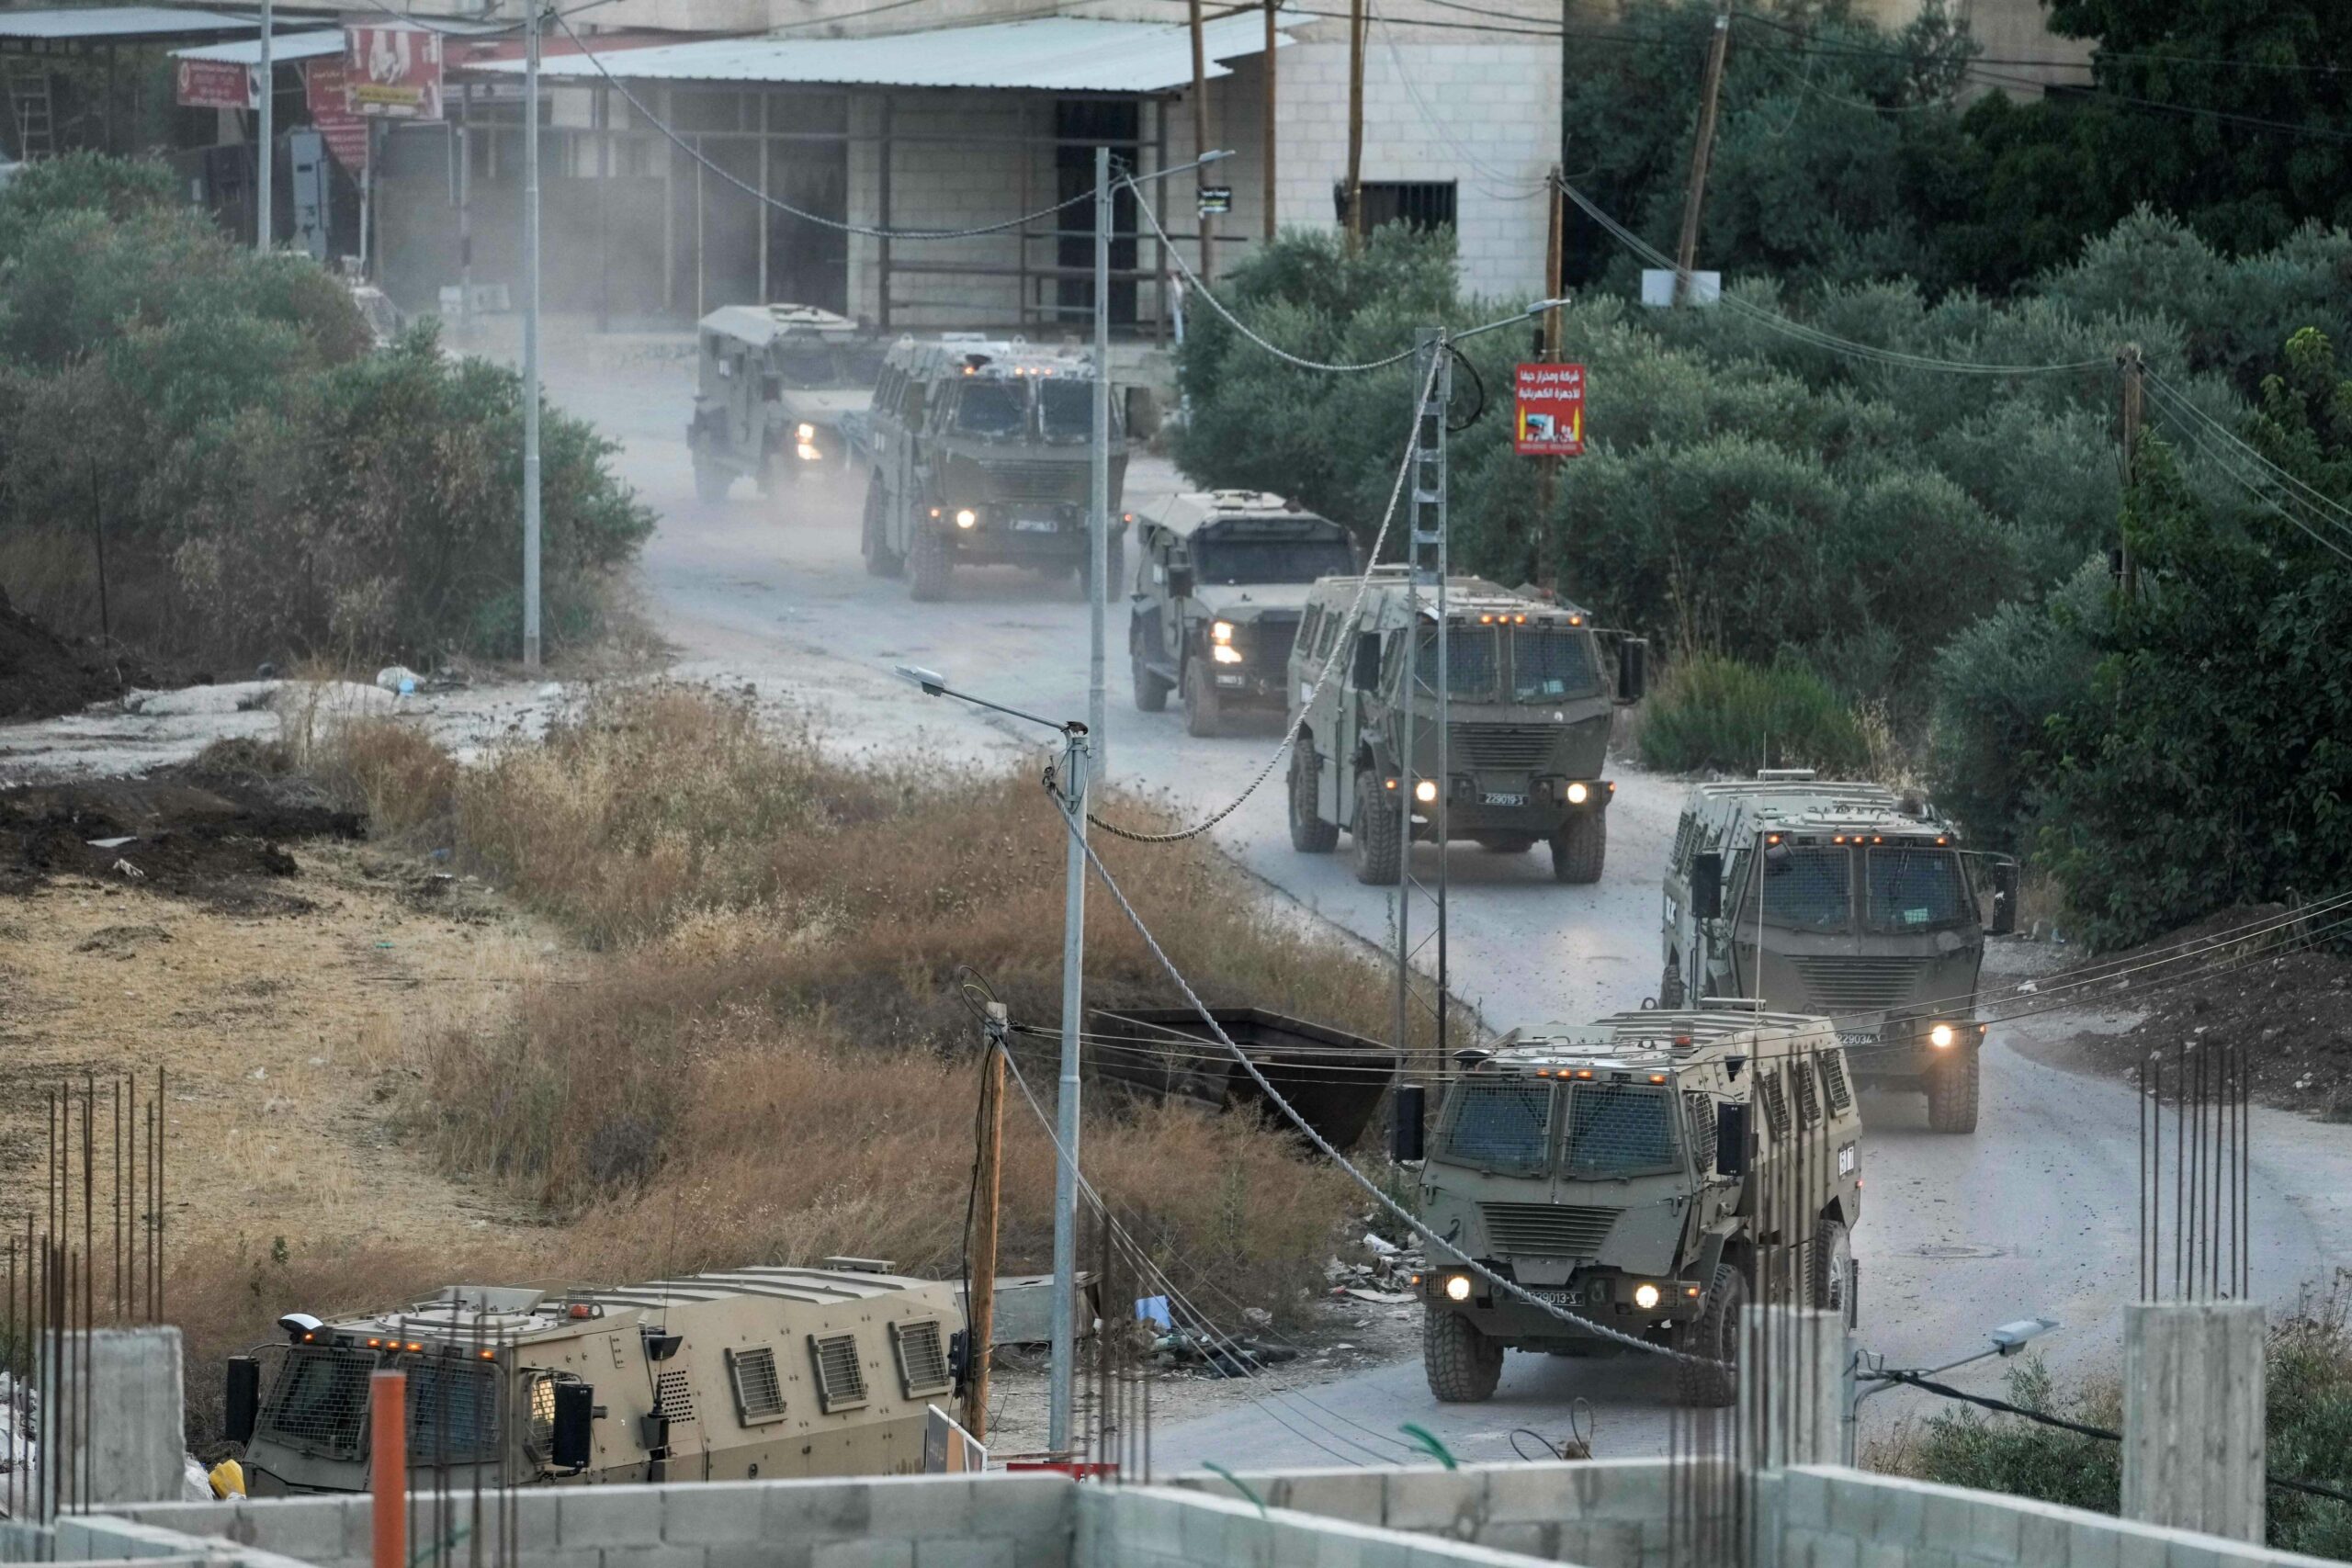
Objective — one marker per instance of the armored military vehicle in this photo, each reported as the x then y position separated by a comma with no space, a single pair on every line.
1217,596
979,452
773,386
763,1371
1531,702
1868,911
1651,1173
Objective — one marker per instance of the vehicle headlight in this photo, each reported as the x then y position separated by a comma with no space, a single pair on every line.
1457,1288
1220,631
966,518
804,433
1645,1296
1425,791
1225,655
1577,793
807,452
1941,1036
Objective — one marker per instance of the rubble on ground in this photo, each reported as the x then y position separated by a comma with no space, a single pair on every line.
42,674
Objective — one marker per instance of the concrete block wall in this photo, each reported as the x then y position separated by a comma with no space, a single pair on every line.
1156,1527
1603,1514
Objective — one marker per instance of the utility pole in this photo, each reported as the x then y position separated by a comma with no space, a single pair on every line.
1098,589
1268,131
2128,360
1547,469
531,334
1686,253
981,1310
1073,782
264,187
1356,124
465,212
1425,554
1200,132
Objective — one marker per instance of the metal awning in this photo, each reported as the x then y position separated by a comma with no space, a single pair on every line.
284,47
116,24
1068,54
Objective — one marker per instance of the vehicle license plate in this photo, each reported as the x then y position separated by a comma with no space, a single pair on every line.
1034,525
1493,800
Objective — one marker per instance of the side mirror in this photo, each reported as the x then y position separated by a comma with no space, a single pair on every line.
959,1358
1731,1138
1180,582
571,1443
2005,898
1367,667
1633,670
1707,886
1142,411
241,1406
1409,1106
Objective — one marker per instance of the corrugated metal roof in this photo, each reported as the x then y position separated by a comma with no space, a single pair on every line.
118,22
1069,54
285,47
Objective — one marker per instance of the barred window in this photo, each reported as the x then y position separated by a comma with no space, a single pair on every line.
1502,1124
841,1380
1620,1130
1808,1097
759,1393
922,1357
1833,1078
1702,1128
1776,1103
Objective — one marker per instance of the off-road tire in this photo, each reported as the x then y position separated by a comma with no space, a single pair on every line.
711,483
1151,690
881,560
1508,843
1714,1336
1831,1248
1952,1091
1463,1365
1579,848
1669,988
927,567
1377,835
1204,715
1309,834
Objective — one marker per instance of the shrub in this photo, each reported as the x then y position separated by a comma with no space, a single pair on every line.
1716,713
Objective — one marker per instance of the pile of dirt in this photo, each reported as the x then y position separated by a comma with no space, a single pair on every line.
2247,977
221,841
43,675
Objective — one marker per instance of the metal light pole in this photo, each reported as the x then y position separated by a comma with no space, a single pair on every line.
531,335
1099,516
263,187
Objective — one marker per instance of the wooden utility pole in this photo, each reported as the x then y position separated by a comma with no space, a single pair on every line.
2127,361
981,1310
1269,133
1356,123
1687,252
1547,469
1201,135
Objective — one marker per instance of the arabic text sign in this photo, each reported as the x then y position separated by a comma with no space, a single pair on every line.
393,71
326,87
216,85
1550,410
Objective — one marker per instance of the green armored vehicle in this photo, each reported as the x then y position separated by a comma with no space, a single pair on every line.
753,1373
1651,1172
1866,912
772,385
1530,705
1217,596
978,453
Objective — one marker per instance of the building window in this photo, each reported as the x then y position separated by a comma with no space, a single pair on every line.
1428,204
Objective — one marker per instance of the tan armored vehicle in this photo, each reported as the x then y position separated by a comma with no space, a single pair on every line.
773,384
1651,1172
1530,707
1868,912
1217,596
756,1372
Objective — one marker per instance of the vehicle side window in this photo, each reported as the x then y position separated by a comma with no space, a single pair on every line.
1309,627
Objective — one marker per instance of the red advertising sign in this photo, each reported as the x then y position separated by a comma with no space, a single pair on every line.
326,88
217,84
393,71
1550,415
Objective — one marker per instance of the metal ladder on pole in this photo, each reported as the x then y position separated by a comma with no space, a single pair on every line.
31,112
1422,992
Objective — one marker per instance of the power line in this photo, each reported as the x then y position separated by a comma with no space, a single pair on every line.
2224,459
2342,515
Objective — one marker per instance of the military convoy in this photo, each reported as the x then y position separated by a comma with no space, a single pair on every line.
752,1373
1651,1173
1222,580
1865,910
773,386
1531,702
978,452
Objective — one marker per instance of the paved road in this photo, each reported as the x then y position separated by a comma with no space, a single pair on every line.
2033,1214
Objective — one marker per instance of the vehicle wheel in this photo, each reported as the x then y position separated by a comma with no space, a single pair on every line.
1669,988
1309,834
1579,847
711,483
927,566
880,560
1508,843
1714,1337
1377,834
1463,1365
1833,1250
1951,1092
1203,714
1151,690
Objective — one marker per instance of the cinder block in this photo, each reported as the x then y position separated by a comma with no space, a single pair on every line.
2180,1553
1530,1539
2043,1534
1534,1494
942,1551
1357,1495
863,1554
818,1508
1949,1522
1612,1544
777,1553
1622,1489
589,1518
1805,1499
1203,1534
1834,1550
1992,1531
2139,1548
1853,1507
2090,1545
1892,1555
654,1557
1899,1512
715,1513
1452,1502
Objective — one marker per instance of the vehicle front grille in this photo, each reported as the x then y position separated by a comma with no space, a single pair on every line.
1037,481
1547,1230
1846,983
1270,641
1514,748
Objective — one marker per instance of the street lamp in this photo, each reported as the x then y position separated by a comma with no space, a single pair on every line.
1070,792
2007,1340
